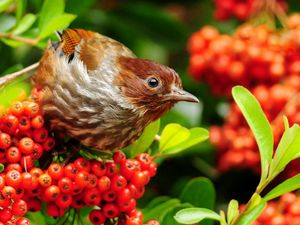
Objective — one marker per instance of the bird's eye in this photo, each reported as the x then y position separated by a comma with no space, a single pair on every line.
152,82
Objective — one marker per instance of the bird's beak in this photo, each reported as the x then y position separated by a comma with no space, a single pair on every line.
178,94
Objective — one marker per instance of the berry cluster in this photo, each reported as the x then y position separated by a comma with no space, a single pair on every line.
239,9
284,211
236,147
110,187
252,55
23,140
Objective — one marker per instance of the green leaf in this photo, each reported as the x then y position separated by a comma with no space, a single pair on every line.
199,192
156,201
197,135
252,215
288,185
19,88
168,218
25,23
2,167
146,139
36,218
222,218
195,215
172,135
4,4
232,211
286,123
6,22
287,150
160,209
56,23
50,10
21,6
259,125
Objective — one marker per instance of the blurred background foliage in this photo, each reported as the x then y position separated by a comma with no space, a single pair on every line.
153,29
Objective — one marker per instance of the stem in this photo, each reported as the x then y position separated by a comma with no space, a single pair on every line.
9,77
29,41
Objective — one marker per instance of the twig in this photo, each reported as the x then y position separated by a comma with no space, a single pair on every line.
29,41
9,77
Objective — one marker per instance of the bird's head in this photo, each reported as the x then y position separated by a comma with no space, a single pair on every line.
150,86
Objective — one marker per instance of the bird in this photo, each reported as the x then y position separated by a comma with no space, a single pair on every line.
95,90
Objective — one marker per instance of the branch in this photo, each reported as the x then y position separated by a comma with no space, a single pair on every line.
9,77
29,41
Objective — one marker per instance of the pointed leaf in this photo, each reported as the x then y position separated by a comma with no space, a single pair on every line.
195,215
252,215
259,125
233,210
288,185
172,135
146,139
287,150
56,23
4,4
50,10
25,23
197,135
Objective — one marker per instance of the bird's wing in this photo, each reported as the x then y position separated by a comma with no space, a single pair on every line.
92,46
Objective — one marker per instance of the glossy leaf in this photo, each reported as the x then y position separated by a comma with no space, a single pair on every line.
199,192
259,125
252,215
288,185
25,23
156,201
21,5
172,135
6,22
4,4
287,150
195,215
56,23
168,218
146,139
197,135
160,209
16,90
232,211
50,9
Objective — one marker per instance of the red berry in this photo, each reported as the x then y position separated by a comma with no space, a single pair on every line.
55,170
97,217
5,140
13,154
5,215
13,178
98,168
22,221
64,200
111,210
37,121
51,192
40,134
19,208
119,157
34,204
65,185
26,145
118,182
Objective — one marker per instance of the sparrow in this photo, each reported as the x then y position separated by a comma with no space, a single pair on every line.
95,90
